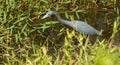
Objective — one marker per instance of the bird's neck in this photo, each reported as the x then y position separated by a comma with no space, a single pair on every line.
62,20
58,17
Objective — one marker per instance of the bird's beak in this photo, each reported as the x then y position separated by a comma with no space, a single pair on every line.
44,17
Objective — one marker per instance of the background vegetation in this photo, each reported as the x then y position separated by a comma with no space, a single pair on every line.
25,39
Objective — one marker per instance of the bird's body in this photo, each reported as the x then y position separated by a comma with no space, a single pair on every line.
79,26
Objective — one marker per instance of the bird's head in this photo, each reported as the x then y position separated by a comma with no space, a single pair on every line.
48,14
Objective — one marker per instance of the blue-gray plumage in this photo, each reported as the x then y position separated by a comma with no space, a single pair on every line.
79,26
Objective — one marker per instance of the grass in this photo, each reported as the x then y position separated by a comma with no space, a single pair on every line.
25,39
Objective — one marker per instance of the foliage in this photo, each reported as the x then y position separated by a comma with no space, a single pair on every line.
25,39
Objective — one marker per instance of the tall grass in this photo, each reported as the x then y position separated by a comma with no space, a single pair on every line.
25,39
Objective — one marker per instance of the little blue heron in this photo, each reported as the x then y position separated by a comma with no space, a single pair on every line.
79,26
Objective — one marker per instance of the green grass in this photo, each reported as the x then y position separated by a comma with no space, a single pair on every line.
25,39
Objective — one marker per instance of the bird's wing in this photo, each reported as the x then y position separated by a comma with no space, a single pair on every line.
81,26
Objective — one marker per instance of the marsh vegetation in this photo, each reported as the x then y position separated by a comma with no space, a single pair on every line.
25,39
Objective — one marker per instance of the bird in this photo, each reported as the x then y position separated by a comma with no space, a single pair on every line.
77,25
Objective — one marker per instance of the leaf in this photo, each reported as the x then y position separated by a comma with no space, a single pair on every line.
44,1
66,15
19,20
80,11
11,27
77,15
50,22
24,28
